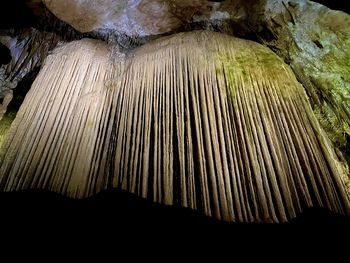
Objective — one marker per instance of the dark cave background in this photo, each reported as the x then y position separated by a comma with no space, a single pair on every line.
116,210
341,5
15,14
5,55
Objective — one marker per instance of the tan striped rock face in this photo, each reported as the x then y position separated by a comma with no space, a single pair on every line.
200,120
61,126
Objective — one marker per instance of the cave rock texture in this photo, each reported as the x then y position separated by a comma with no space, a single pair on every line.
200,120
310,37
59,128
142,17
315,41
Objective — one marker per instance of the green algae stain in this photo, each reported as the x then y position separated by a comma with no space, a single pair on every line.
247,62
5,125
90,124
332,123
334,83
324,55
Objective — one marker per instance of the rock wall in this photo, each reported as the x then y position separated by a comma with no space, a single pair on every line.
314,40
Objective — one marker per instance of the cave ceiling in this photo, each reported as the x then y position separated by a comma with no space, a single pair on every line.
143,17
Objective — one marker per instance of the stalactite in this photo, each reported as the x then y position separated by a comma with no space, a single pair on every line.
219,124
57,137
200,120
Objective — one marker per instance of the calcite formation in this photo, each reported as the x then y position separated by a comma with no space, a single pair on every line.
200,120
58,137
313,39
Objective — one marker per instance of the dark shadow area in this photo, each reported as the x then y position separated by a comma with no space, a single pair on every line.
15,14
22,89
346,149
341,5
107,209
118,214
5,55
18,15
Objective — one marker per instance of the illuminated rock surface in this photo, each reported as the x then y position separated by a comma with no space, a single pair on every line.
315,41
58,130
142,17
200,120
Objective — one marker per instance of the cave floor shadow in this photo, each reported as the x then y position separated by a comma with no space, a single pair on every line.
117,217
113,209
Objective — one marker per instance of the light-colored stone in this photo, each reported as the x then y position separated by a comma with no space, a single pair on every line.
142,17
201,120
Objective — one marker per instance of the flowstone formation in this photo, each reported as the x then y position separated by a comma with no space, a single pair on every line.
310,37
200,120
56,139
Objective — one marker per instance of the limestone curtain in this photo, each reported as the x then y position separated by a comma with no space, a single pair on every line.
200,119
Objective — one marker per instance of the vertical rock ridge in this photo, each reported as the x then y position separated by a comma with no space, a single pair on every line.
200,120
55,141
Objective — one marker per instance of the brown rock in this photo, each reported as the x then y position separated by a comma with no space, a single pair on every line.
143,17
